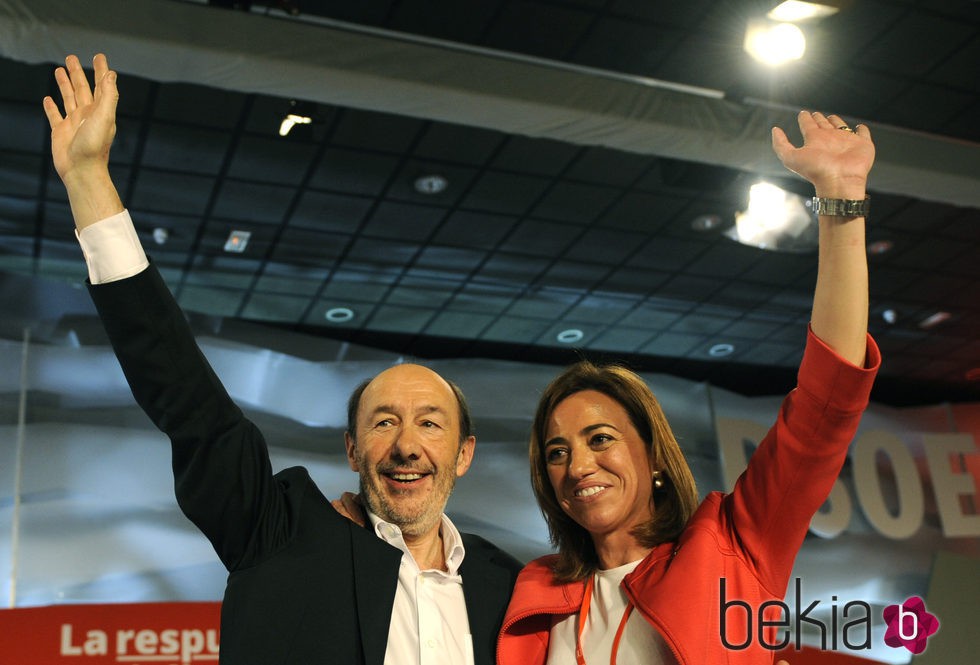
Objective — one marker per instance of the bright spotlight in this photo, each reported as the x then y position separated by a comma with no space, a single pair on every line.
292,119
798,10
774,43
775,219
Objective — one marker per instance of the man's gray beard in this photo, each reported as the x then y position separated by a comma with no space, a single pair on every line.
410,525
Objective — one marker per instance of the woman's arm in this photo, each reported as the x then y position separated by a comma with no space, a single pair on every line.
836,161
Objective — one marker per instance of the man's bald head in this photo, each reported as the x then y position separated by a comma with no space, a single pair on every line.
416,372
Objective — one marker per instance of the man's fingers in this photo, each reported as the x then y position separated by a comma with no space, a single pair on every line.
101,66
106,94
79,82
52,112
106,97
64,87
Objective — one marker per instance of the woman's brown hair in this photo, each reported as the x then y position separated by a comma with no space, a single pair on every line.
675,501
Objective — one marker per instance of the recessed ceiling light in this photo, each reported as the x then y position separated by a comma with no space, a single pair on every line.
570,336
706,222
721,350
339,314
160,235
889,315
237,241
879,247
934,320
432,183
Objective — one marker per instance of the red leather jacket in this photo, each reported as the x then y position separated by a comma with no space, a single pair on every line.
748,538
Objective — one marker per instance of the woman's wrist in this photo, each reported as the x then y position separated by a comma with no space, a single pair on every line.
841,187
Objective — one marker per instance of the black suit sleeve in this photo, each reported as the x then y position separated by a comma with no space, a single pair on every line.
222,474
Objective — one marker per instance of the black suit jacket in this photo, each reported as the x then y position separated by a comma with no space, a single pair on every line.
305,585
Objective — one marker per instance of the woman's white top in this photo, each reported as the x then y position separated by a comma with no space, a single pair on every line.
641,644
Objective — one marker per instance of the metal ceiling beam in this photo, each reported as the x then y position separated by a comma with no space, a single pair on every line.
353,66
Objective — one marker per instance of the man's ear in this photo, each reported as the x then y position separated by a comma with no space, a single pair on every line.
350,445
465,457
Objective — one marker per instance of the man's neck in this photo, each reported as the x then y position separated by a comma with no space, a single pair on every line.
428,549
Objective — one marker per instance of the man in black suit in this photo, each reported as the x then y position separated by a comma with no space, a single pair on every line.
380,578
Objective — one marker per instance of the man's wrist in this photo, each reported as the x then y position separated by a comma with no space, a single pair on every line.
92,195
86,175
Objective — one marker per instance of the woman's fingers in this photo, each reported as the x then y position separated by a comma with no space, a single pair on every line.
821,120
781,144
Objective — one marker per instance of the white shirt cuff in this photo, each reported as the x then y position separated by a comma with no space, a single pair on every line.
112,249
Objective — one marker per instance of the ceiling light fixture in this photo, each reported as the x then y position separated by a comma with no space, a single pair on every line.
775,219
703,223
432,183
721,350
890,316
797,10
160,235
300,113
934,320
339,314
237,241
879,247
291,120
774,44
570,336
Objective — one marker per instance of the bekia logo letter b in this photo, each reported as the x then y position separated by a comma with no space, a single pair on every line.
909,625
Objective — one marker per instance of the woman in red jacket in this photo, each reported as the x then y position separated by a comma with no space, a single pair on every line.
644,574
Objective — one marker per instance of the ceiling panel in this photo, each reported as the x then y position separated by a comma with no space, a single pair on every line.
531,236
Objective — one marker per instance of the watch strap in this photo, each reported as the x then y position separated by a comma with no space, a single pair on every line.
841,207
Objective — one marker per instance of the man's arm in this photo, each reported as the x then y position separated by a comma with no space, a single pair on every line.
80,143
170,378
837,162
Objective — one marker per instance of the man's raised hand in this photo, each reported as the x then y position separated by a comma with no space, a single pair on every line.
81,138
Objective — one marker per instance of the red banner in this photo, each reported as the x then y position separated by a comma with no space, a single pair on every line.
134,634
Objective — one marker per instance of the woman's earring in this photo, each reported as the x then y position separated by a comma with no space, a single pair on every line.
658,482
